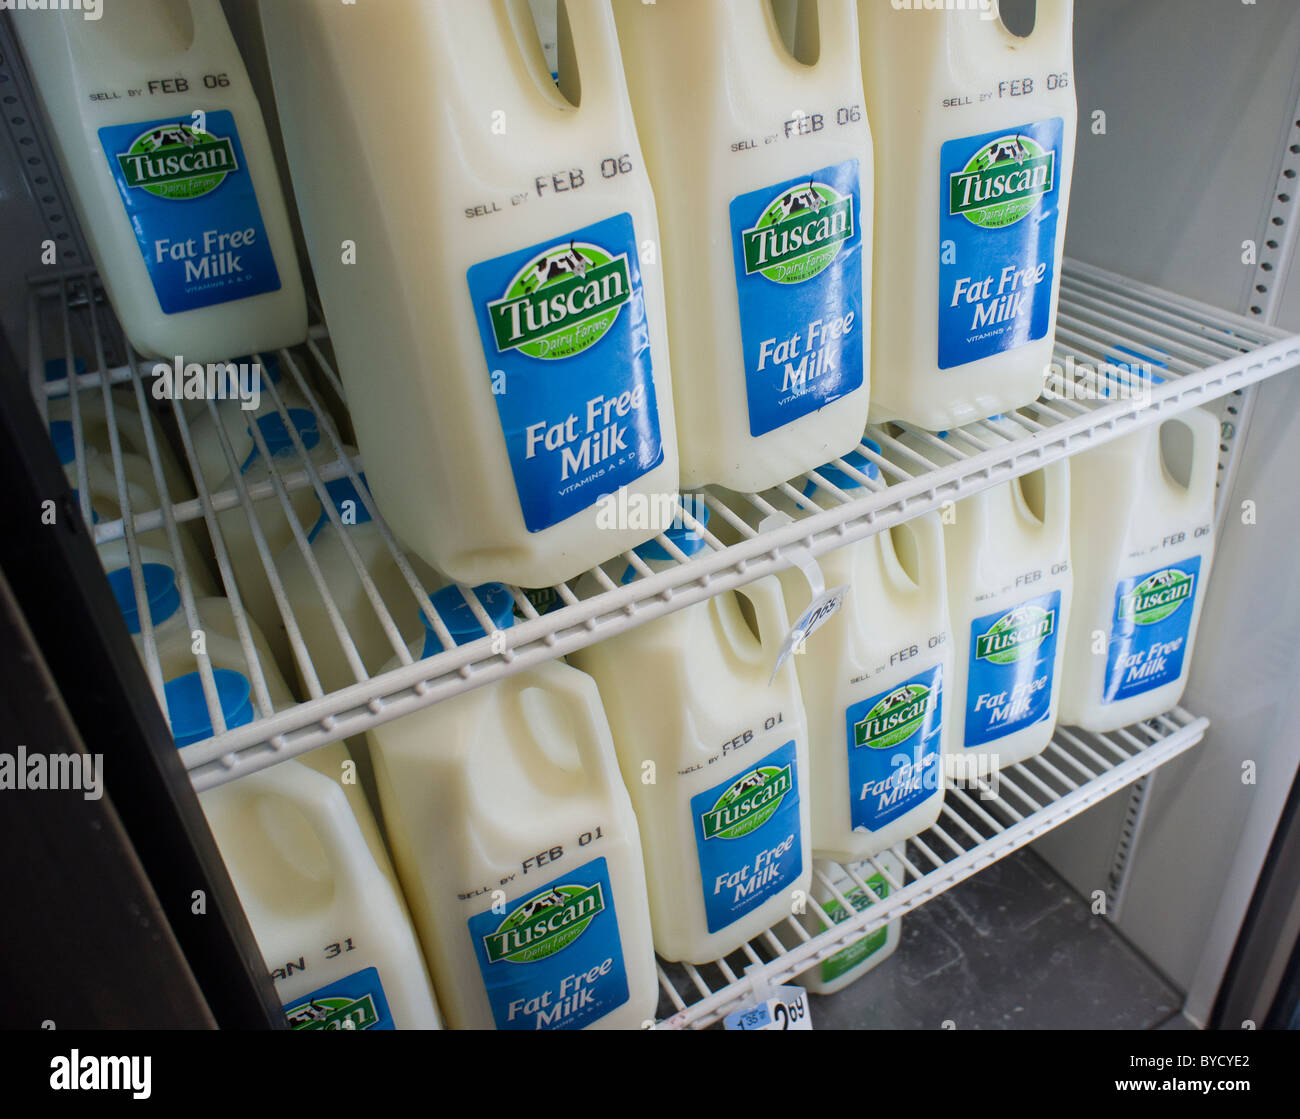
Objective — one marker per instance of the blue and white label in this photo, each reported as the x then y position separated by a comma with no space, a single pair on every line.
894,745
564,330
748,838
798,254
190,200
554,959
355,1002
1149,630
999,198
1012,658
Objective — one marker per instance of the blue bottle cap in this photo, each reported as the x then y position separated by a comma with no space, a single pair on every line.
459,619
56,369
159,589
94,515
836,477
1136,365
687,539
65,446
270,364
278,439
341,490
187,708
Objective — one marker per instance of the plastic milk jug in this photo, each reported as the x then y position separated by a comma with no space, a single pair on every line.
519,854
853,962
486,272
1142,522
174,639
974,130
166,157
320,895
876,680
762,171
716,761
1009,589
126,415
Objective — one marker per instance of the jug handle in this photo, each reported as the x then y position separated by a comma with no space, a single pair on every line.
1205,458
768,601
596,52
578,693
1053,27
330,816
1056,493
837,33
929,538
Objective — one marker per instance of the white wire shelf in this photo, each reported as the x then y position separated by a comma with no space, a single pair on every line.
981,823
1208,353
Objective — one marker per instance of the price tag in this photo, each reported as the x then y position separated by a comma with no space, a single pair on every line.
787,1009
824,602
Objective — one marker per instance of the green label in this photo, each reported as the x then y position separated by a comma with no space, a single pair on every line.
561,302
177,161
895,718
1002,183
1016,634
799,233
335,1014
1156,597
748,803
848,958
544,924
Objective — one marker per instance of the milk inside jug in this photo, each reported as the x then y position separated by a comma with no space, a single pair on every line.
1007,551
519,854
876,679
715,759
1142,522
974,130
767,237
500,325
851,963
319,894
167,161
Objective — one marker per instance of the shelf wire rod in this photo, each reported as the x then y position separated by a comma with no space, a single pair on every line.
975,807
1056,748
1065,734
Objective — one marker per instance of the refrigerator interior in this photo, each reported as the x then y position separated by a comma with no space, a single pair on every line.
1104,882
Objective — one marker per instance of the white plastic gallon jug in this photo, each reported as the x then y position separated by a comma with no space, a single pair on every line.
320,896
716,762
487,274
166,158
1010,583
974,130
1142,522
876,680
853,962
519,854
174,638
762,172
126,415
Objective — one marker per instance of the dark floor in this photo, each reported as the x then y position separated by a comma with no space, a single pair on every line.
1011,948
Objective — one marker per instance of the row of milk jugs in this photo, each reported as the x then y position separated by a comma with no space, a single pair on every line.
664,792
781,201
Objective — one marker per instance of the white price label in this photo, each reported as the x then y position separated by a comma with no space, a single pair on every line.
822,608
786,1010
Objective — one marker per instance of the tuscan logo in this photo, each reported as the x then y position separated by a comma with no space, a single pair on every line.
544,924
894,719
748,803
1016,634
561,302
1003,182
177,161
337,1013
1156,597
800,232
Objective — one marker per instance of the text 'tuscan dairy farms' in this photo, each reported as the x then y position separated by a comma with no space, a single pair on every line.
974,129
486,249
762,169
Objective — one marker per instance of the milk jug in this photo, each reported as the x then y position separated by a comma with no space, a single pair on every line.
105,505
1142,522
876,679
320,896
490,275
974,130
853,962
519,854
166,157
716,761
762,171
1007,551
174,639
126,416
